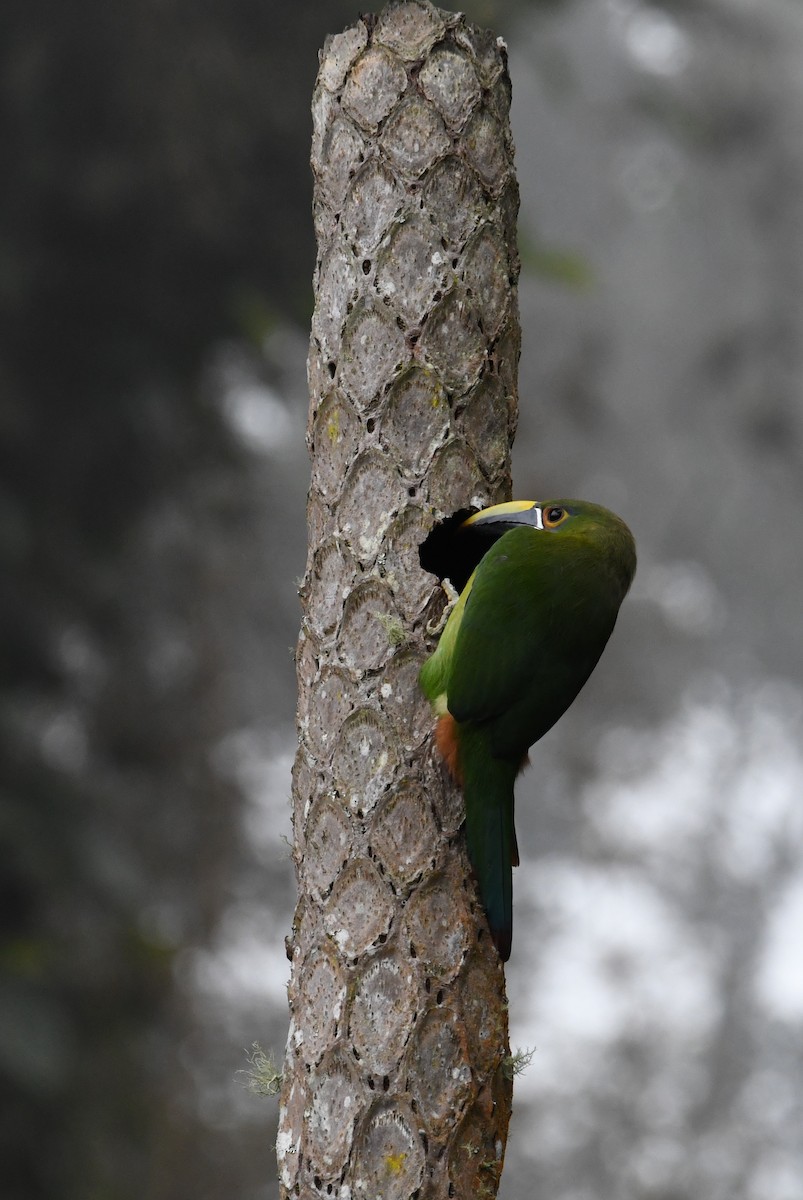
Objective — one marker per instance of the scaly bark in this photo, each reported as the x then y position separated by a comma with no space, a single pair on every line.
395,1081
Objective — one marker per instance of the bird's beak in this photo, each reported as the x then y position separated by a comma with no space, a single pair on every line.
507,516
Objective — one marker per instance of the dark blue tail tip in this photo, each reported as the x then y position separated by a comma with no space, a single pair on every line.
503,940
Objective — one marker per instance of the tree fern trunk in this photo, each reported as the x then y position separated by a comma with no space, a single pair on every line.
395,1082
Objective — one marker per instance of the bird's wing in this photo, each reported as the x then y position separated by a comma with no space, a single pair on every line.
506,629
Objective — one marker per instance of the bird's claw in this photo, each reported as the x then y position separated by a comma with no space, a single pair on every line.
438,624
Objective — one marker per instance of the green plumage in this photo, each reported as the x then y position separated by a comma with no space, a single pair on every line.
523,638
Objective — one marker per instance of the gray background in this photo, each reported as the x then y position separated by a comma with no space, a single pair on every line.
156,263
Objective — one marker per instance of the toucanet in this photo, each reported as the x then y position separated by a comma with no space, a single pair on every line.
525,634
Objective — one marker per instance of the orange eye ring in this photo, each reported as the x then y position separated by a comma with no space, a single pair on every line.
553,516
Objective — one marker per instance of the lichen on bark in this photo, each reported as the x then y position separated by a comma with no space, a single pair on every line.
394,1080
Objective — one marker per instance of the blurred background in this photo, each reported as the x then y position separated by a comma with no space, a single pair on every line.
155,263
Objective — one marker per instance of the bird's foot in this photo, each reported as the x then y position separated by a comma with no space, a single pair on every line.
452,596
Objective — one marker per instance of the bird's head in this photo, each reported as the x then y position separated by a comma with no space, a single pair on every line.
588,527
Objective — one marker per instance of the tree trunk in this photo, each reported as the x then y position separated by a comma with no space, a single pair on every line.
396,1080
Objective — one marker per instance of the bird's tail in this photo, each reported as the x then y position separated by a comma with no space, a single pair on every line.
488,792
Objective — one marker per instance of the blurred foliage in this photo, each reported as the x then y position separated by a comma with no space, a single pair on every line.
554,265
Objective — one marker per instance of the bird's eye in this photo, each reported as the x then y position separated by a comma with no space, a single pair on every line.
553,516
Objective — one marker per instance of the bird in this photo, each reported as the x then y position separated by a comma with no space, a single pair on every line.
522,638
